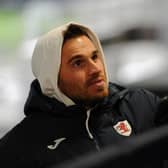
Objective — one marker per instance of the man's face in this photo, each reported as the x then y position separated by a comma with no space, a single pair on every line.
82,76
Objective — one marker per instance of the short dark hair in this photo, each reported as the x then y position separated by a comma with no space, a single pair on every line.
74,31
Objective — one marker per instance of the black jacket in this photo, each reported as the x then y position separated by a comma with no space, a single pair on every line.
52,133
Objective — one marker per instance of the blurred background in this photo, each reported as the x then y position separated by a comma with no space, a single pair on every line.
133,34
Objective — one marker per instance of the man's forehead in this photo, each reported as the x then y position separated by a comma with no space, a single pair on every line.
78,45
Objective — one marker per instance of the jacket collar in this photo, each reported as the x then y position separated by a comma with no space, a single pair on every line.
37,102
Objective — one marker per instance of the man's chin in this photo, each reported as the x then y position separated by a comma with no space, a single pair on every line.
96,98
90,101
91,97
99,93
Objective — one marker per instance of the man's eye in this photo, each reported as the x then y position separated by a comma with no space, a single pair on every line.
95,56
77,63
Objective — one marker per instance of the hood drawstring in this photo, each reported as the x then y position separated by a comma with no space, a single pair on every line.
87,124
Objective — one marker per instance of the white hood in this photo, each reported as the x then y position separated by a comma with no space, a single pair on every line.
46,60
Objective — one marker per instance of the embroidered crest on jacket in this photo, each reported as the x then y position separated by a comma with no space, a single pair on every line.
123,128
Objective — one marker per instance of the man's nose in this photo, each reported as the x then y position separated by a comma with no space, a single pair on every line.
94,68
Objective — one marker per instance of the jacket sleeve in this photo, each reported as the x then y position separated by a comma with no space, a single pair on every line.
160,108
162,112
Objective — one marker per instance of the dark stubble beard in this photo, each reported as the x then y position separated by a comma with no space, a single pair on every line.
90,102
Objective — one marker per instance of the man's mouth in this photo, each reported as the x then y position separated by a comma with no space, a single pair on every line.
96,82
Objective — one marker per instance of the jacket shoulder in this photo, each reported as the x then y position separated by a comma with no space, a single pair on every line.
135,93
143,95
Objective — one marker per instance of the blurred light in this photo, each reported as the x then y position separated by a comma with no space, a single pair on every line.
142,61
10,96
137,71
9,85
27,48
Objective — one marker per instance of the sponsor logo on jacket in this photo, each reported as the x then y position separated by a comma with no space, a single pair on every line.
56,143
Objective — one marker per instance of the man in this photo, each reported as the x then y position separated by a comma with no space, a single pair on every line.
72,109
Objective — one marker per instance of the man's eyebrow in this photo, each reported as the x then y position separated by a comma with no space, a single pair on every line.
80,56
74,57
95,52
